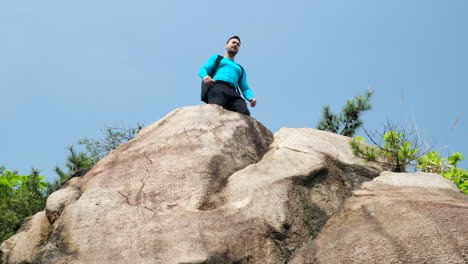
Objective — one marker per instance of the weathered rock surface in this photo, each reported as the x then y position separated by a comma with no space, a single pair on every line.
396,218
205,185
22,247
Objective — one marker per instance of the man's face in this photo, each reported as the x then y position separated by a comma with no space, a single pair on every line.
233,46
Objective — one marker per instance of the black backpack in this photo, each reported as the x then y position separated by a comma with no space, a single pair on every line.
206,88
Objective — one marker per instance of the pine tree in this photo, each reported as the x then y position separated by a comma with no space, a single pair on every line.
75,162
349,120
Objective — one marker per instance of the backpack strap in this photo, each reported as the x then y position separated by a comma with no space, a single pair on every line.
242,74
206,88
215,66
240,78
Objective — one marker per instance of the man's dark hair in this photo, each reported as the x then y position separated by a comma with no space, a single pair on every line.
234,37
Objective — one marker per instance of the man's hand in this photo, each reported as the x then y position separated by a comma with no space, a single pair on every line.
253,102
208,80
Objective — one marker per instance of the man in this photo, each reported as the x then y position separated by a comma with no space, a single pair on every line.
227,78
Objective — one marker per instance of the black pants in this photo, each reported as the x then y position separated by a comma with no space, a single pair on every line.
226,96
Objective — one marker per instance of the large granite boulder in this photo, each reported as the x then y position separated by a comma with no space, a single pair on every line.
205,185
396,218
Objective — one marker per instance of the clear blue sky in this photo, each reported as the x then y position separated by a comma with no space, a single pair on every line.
68,69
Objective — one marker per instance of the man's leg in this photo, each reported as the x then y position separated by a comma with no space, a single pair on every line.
237,104
223,95
216,95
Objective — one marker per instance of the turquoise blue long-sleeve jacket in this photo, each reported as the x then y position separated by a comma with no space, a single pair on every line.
227,71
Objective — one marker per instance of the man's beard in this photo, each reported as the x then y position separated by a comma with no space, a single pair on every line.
232,53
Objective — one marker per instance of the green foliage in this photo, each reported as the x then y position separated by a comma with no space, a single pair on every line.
398,151
446,167
395,153
349,120
75,162
20,196
367,152
98,149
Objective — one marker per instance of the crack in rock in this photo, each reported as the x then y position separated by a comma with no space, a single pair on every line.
138,198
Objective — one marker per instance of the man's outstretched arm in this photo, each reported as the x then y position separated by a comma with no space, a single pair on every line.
244,87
